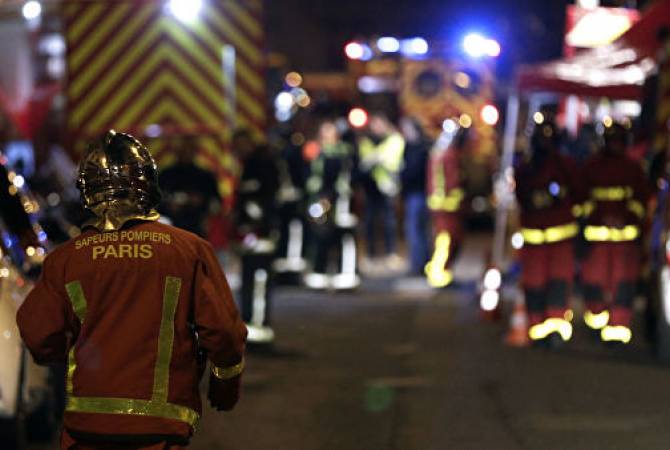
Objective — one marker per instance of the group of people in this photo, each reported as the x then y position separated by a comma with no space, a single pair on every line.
591,216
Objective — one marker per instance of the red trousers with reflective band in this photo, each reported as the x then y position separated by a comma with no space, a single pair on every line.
452,223
70,443
543,266
608,266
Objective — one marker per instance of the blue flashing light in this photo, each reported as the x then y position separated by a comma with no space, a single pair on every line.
415,46
554,188
477,46
388,44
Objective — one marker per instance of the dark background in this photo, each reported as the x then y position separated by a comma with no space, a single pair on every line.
312,33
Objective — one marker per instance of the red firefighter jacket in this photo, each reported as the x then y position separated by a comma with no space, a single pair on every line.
547,193
129,311
617,195
444,181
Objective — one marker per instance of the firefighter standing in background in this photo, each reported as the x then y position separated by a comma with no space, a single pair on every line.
191,192
131,305
256,219
615,212
547,189
292,171
445,181
380,161
329,211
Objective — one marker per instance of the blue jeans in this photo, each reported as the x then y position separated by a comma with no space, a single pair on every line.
416,230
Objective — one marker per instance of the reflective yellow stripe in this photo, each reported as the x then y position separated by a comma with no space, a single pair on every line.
596,321
158,405
133,407
226,373
549,326
611,194
165,339
595,233
616,334
636,208
451,202
76,294
438,276
549,235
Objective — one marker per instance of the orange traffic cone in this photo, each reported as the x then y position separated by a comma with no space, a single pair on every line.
517,336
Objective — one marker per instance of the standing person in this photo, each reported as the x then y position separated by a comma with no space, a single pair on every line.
445,189
380,160
413,180
256,218
615,213
332,224
132,305
547,189
191,192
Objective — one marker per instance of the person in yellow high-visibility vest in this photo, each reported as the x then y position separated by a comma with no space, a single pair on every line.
445,190
380,161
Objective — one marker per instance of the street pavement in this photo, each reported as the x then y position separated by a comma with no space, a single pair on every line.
419,371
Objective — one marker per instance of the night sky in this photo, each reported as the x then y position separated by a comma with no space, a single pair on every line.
312,33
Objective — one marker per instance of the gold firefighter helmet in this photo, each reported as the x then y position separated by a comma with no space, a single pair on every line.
118,181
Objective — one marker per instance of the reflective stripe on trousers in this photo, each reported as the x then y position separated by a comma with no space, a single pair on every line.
158,406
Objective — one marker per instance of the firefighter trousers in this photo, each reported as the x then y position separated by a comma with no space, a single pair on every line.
612,268
547,274
256,288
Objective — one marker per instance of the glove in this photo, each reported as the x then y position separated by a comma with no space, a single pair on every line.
224,387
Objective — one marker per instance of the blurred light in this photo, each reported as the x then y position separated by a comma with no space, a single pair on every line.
41,236
474,45
316,210
7,334
304,101
12,190
465,121
358,117
293,79
489,300
462,80
588,4
490,115
517,241
477,46
297,139
185,10
153,130
373,85
492,279
53,44
388,44
479,204
354,50
284,101
30,251
538,118
492,48
19,181
554,188
449,126
283,115
414,46
32,10
607,121
4,272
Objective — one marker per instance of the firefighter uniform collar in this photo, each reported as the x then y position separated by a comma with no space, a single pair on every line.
111,220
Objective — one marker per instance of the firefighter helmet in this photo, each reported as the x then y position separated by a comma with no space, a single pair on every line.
118,181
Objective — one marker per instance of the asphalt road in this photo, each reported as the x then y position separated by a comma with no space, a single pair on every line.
385,370
409,369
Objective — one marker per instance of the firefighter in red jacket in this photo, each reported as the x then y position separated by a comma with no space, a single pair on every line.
615,212
547,189
133,305
445,181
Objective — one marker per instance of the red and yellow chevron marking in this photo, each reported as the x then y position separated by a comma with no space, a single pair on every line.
131,64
